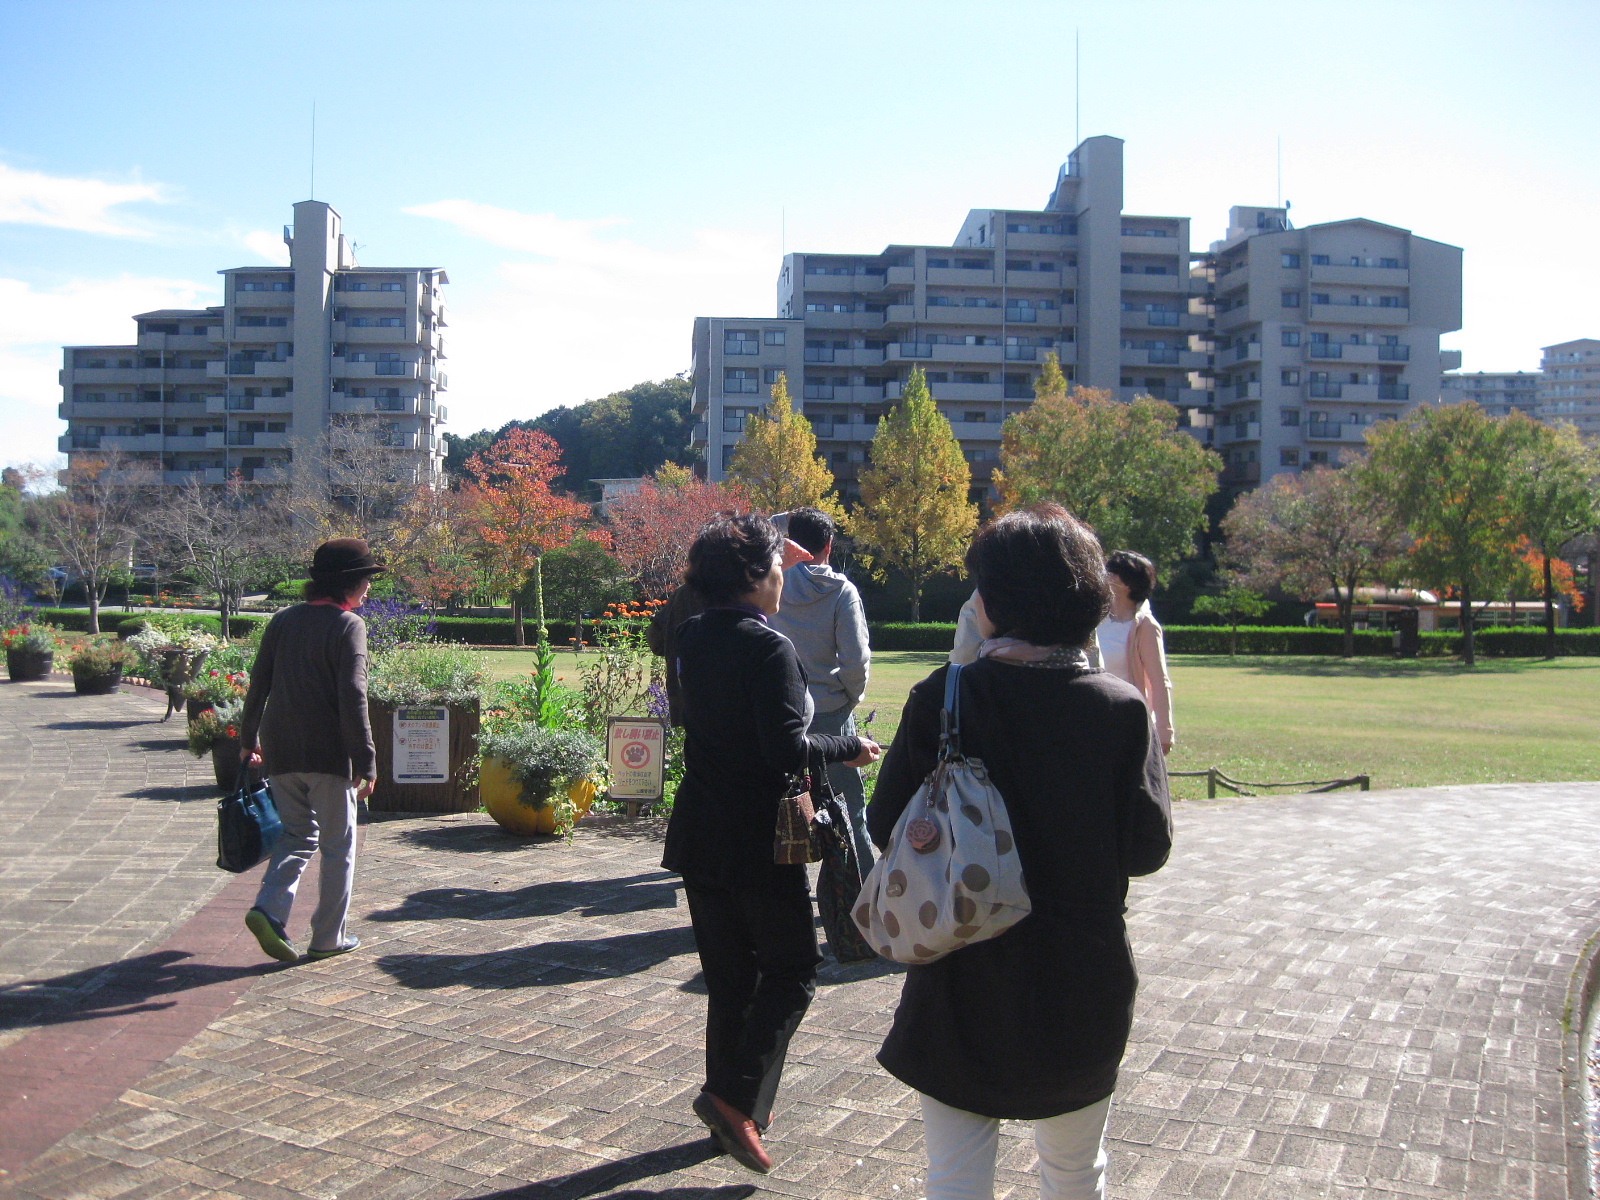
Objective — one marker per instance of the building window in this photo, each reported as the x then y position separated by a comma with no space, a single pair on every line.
727,456
1320,298
972,377
1291,299
391,322
776,337
740,379
1391,263
1289,417
1018,387
937,376
769,375
1292,261
979,417
1288,457
1320,260
1389,302
976,454
938,263
1289,377
739,341
1318,457
733,419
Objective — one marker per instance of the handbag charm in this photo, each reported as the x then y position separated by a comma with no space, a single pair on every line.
951,875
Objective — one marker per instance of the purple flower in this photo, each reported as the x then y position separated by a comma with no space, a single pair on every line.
656,705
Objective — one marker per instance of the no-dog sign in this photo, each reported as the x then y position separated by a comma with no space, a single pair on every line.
636,751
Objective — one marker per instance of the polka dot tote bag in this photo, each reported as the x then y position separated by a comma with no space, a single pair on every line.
951,875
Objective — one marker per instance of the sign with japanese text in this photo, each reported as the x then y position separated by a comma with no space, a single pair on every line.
636,750
422,745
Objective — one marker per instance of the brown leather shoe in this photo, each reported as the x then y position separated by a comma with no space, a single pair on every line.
737,1132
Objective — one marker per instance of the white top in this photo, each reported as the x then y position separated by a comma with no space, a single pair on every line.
1113,637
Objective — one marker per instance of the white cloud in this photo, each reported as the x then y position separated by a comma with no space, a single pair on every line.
269,246
592,312
35,324
33,198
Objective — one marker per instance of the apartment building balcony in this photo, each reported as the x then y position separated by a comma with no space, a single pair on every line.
843,358
843,393
269,368
390,369
1358,352
1192,397
960,276
1165,285
1360,276
1234,318
1244,352
182,477
69,442
1040,241
387,335
818,286
400,299
1153,243
238,402
1334,431
246,437
843,431
1243,390
853,320
258,300
1164,356
1360,314
123,443
900,276
1241,475
1183,322
1042,281
953,392
109,409
942,352
1449,360
1236,431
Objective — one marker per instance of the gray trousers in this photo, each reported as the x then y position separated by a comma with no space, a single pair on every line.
847,781
318,812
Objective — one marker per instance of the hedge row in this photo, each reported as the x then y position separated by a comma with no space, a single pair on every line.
76,620
499,631
1520,642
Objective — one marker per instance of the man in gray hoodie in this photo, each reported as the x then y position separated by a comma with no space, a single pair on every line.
821,614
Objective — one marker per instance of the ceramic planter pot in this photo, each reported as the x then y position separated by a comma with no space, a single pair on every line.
225,764
502,797
24,666
100,684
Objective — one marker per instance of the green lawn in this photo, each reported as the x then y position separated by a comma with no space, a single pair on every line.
1406,724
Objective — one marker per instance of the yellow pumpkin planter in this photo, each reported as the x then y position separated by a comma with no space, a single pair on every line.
502,797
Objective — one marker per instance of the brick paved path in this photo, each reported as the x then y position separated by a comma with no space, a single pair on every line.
1348,995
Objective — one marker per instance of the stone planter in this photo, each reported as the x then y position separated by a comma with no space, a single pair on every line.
450,796
225,764
99,684
25,666
502,798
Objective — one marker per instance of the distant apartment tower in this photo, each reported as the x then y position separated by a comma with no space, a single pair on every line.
1500,393
1111,293
1320,332
1569,385
290,353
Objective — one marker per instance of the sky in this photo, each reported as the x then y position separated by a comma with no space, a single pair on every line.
594,175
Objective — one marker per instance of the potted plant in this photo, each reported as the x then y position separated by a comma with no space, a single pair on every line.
30,651
97,666
216,732
537,780
222,679
405,685
170,656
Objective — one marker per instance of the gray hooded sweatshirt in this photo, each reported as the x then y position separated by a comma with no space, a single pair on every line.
821,614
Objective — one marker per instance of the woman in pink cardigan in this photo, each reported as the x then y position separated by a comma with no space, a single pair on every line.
1131,646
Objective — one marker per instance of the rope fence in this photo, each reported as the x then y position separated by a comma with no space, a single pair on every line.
1215,778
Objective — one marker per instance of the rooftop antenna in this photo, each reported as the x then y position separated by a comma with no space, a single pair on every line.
313,193
1280,170
1077,89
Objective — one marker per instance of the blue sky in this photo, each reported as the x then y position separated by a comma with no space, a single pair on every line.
593,175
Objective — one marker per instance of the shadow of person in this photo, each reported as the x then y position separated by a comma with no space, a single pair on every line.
102,725
629,1170
633,893
194,791
548,964
114,989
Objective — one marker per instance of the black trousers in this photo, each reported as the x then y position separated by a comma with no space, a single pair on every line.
758,950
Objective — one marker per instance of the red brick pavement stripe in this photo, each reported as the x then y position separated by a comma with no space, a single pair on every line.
57,1077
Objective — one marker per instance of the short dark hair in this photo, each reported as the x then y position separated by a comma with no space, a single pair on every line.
811,528
337,588
1135,570
1041,573
731,555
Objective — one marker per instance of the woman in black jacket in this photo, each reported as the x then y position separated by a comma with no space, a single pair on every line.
746,711
1031,1025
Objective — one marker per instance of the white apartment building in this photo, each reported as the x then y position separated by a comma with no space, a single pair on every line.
1111,293
1569,385
1289,341
1499,393
1319,333
291,352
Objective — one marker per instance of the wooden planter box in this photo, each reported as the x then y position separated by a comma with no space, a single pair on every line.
97,685
452,796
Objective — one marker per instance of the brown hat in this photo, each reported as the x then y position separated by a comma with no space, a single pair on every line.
344,558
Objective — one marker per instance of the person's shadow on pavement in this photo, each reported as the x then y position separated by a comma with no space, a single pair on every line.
632,893
113,989
628,1170
548,964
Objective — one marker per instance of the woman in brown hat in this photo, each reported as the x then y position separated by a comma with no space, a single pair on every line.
307,707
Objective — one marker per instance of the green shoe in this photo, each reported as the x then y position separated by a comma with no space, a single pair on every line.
270,935
350,943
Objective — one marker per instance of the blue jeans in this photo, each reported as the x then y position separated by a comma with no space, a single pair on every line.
847,782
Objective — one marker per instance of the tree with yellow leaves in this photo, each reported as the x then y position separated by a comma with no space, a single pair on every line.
776,465
915,516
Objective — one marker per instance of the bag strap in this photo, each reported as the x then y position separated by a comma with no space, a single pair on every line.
950,716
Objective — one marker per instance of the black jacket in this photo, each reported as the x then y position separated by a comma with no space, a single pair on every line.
1033,1023
745,720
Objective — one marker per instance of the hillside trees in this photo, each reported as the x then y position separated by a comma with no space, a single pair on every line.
915,516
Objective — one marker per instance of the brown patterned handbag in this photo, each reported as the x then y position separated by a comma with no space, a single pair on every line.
796,841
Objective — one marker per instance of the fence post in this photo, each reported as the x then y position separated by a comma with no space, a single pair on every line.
1366,783
1211,783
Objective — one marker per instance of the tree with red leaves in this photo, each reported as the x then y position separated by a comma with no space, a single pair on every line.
522,516
652,528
